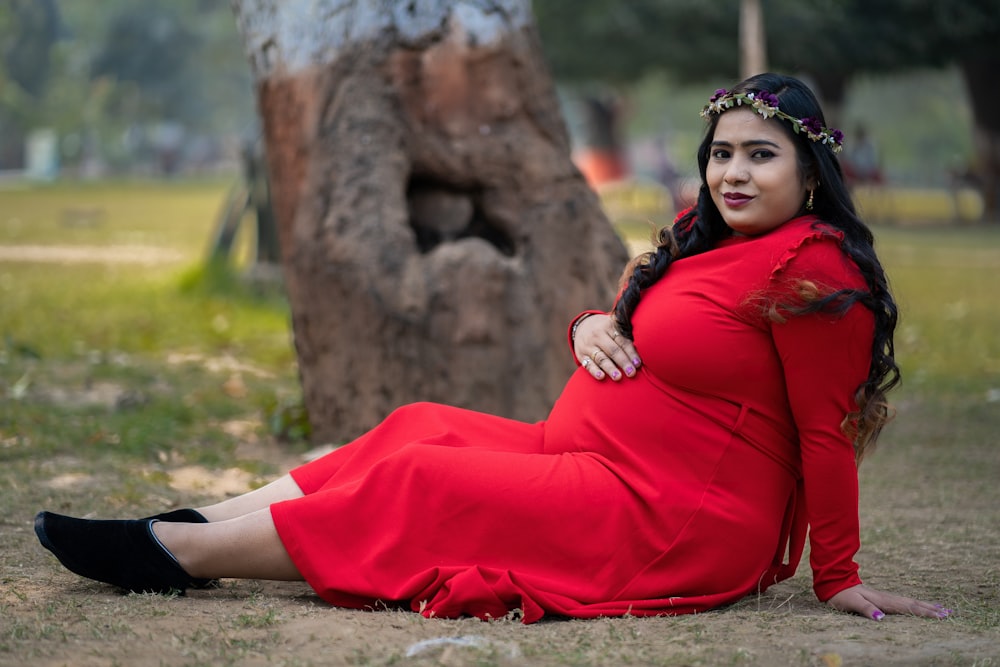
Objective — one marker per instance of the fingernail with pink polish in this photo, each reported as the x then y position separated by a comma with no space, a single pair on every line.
877,615
615,375
636,361
629,370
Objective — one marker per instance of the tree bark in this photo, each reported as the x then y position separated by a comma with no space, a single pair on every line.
980,78
753,39
435,236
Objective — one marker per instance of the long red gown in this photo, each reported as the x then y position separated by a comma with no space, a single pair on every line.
680,490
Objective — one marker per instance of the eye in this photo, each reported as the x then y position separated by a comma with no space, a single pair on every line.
720,154
762,154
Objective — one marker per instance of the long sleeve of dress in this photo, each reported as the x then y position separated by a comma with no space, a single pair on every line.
825,359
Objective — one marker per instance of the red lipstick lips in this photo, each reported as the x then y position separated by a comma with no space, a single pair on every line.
736,199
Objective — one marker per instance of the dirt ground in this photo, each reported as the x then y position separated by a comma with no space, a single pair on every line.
918,541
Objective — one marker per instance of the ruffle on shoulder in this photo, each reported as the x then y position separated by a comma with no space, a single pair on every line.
811,232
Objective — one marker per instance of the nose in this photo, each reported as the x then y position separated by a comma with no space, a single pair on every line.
736,171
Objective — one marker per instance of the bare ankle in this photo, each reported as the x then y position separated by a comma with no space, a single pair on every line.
176,539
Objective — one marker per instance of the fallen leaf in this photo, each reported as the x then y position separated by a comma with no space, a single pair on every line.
832,660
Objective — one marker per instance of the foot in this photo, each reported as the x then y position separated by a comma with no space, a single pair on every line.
123,553
186,515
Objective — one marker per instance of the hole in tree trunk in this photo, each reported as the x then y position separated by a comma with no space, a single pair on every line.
440,213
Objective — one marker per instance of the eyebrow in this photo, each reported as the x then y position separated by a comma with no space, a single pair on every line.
751,142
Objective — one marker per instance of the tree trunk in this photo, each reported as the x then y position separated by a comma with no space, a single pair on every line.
980,78
435,235
753,40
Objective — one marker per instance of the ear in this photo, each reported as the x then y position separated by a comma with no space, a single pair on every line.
812,178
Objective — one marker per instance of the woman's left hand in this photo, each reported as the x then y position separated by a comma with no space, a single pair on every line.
874,604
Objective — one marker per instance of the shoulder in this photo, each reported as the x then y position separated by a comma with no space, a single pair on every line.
804,230
807,248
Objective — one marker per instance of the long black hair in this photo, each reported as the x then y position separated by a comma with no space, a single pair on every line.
702,227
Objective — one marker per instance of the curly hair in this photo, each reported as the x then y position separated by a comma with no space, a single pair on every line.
702,227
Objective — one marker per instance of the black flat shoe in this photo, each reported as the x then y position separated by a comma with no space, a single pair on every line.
183,515
186,515
122,553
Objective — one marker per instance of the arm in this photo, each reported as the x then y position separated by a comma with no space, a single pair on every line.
825,359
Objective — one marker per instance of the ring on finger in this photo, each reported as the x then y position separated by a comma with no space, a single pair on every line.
586,362
594,357
614,333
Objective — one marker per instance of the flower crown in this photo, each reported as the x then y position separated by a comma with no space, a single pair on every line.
766,104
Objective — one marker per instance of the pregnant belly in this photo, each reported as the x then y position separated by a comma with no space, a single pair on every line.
661,438
637,420
600,416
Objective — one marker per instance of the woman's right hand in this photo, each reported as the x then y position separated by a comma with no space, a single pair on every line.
875,604
603,351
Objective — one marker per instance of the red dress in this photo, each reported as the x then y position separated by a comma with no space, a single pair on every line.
680,490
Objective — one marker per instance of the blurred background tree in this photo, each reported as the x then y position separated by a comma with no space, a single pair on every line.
830,41
122,82
842,47
28,31
126,86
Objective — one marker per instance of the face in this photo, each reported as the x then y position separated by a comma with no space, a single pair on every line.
753,173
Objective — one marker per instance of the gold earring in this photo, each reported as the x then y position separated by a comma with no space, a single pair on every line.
809,202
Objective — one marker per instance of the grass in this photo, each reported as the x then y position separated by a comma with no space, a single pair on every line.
116,378
945,283
117,365
177,215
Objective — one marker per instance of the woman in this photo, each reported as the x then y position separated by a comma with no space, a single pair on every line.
765,327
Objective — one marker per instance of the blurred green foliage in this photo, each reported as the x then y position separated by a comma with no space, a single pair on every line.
830,41
103,74
114,78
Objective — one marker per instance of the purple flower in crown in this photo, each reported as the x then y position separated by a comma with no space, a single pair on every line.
719,101
838,136
770,99
812,125
764,103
